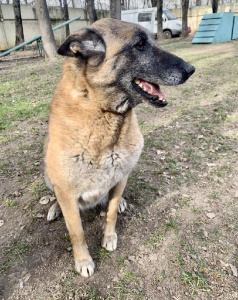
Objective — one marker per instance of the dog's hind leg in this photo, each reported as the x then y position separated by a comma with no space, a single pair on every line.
69,206
54,212
109,241
122,206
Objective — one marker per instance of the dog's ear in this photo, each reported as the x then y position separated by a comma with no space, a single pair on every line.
86,43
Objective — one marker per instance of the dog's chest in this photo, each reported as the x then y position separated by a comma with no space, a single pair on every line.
96,177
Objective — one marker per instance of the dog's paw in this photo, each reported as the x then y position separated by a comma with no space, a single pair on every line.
109,242
85,267
122,206
54,212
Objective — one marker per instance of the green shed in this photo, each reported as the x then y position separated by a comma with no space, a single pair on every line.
214,28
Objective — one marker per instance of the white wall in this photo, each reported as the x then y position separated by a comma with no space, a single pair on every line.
30,23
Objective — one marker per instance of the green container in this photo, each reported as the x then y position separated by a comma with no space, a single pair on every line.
214,28
235,29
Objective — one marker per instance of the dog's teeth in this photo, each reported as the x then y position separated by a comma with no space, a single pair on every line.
141,85
161,98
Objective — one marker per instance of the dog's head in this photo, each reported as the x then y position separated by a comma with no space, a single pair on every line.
123,62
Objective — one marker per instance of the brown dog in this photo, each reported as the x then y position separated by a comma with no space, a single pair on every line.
94,140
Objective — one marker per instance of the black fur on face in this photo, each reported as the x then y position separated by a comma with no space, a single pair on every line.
124,64
145,60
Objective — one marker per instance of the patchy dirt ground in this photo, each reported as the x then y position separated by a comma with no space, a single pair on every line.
177,240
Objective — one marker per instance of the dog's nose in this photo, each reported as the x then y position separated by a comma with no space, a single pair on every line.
189,69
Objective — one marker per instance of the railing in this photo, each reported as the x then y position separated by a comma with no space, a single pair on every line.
36,38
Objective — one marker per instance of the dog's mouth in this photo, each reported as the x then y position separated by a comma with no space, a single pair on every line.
150,91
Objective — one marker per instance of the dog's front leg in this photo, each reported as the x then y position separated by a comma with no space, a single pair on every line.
109,241
69,206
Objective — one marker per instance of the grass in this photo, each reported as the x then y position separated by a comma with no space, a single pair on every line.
16,253
195,281
28,95
197,159
104,254
10,203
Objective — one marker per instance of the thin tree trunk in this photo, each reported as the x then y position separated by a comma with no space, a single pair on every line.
66,17
160,34
46,29
18,22
91,11
115,9
154,3
185,5
215,6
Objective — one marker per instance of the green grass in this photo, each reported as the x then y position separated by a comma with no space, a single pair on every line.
10,203
195,281
28,95
104,254
191,132
16,253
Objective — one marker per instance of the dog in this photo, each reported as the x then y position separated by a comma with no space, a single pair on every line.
94,140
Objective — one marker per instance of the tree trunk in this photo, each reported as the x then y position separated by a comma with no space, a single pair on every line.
18,22
198,2
46,29
160,34
91,11
215,6
66,17
153,3
115,9
185,5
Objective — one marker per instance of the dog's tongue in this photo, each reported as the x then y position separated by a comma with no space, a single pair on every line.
152,90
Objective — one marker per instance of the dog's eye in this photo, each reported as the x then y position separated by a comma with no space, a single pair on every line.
141,45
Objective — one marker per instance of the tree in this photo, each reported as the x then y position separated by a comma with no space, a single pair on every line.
115,9
18,22
91,11
154,3
46,29
66,17
215,6
185,5
160,34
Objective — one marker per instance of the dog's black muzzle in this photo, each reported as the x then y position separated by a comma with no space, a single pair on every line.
189,69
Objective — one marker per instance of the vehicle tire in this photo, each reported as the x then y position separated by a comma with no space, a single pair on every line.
167,34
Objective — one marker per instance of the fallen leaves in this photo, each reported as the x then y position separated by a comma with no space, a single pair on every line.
46,199
40,216
234,270
210,215
210,164
1,223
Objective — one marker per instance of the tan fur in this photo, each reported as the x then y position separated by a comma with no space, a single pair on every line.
104,133
94,140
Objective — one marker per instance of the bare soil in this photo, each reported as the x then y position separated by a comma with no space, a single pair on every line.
178,238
